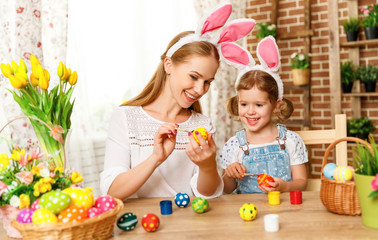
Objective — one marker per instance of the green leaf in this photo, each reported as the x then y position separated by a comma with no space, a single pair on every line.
373,194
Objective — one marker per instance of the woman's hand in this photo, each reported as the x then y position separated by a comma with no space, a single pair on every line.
164,142
202,155
235,170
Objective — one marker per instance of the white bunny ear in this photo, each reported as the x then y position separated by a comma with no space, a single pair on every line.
268,54
216,19
236,56
237,29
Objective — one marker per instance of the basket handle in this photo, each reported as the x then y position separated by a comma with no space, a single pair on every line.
332,145
61,141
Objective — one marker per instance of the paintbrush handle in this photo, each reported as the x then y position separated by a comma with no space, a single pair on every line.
250,175
182,130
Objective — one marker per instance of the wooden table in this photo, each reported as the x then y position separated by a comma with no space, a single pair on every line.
310,220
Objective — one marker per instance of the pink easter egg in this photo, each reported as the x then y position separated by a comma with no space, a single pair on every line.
35,205
105,203
93,212
25,216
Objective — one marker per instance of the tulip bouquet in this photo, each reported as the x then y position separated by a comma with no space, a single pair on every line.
25,176
52,107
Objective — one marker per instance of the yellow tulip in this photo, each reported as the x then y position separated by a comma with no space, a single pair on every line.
34,80
43,82
17,81
34,63
14,66
60,70
73,78
22,75
47,74
65,73
6,69
23,66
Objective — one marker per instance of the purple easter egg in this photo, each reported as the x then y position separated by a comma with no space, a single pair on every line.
35,205
25,216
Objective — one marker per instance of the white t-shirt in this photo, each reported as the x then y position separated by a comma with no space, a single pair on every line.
294,145
131,140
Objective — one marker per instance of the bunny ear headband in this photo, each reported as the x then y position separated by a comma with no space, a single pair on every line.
206,31
269,57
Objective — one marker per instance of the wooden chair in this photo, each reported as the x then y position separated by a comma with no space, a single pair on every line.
311,137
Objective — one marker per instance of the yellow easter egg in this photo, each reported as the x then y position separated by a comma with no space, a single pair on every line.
203,133
248,212
43,215
81,197
342,174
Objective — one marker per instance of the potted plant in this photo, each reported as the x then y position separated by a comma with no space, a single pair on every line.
370,22
300,68
366,178
266,29
368,75
360,127
352,27
348,75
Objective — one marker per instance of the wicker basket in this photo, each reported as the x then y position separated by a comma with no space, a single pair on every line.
99,227
339,196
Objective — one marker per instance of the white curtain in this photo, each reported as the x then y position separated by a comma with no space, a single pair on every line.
214,102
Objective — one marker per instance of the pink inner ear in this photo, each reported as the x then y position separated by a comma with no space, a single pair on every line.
217,19
269,52
236,31
234,53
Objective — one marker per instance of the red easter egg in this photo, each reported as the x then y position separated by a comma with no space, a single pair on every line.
150,222
35,205
93,212
105,203
73,214
262,179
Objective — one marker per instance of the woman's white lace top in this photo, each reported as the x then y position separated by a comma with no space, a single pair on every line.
130,141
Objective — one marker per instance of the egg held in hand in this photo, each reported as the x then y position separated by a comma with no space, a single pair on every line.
262,179
203,133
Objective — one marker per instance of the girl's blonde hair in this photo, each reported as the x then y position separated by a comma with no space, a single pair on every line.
156,84
264,82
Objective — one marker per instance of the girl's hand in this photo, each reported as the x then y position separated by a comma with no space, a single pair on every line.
277,185
235,170
202,155
164,142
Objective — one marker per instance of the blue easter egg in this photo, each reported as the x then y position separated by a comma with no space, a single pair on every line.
182,199
328,170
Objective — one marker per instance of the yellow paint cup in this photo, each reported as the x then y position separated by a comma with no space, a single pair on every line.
274,198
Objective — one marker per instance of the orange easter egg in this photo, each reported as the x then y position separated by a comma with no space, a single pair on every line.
73,214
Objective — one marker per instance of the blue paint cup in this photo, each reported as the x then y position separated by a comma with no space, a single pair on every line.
166,207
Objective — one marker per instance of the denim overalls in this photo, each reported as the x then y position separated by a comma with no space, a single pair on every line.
272,160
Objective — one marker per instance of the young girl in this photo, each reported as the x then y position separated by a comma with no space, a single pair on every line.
145,154
263,147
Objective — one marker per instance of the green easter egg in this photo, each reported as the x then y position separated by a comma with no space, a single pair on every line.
200,205
127,221
55,201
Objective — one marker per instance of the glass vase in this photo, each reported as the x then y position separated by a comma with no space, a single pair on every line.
52,148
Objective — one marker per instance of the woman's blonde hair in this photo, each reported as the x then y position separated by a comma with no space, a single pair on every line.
264,82
156,84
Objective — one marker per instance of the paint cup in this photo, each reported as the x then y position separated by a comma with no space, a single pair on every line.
271,223
166,207
296,197
274,198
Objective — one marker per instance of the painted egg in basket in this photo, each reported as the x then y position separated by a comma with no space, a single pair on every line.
55,201
73,214
25,216
43,215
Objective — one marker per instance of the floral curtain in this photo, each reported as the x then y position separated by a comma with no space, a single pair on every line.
40,27
214,102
